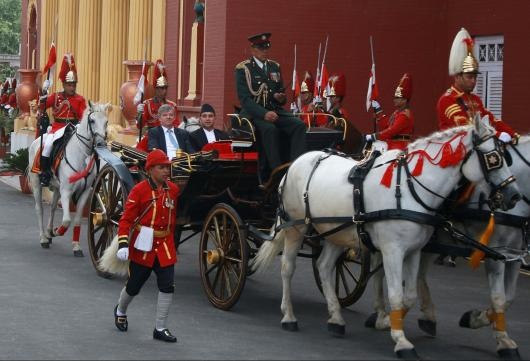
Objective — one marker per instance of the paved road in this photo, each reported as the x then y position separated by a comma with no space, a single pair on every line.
53,306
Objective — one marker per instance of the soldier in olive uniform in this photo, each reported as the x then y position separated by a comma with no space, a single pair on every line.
262,95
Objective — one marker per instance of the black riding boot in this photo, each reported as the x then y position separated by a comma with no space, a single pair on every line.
45,171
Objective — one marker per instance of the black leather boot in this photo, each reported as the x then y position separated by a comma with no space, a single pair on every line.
45,171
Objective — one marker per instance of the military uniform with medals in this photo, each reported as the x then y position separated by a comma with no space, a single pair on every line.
256,86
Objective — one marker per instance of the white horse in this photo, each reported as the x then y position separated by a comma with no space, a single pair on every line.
190,124
74,177
449,155
502,276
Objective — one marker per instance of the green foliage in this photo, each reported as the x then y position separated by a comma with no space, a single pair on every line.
10,12
6,71
18,161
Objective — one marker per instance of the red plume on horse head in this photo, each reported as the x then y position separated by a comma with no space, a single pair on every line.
68,73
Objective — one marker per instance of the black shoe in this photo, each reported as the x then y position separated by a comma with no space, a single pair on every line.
164,335
120,321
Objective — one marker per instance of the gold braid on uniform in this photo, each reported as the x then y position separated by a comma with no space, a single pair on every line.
262,92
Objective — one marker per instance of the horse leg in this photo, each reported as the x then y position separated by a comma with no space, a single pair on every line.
78,252
427,321
37,195
506,347
326,265
65,202
293,241
393,265
379,319
53,209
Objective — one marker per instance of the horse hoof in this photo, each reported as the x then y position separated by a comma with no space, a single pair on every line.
407,354
50,240
427,326
290,326
45,245
509,354
105,275
370,321
336,329
78,253
465,320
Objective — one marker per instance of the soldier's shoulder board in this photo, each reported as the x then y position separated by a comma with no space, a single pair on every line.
274,62
243,64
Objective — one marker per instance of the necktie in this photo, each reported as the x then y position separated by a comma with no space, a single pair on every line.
172,138
265,67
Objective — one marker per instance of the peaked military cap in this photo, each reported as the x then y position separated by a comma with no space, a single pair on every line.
260,41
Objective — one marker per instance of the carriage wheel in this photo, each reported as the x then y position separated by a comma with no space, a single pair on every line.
106,207
223,256
352,272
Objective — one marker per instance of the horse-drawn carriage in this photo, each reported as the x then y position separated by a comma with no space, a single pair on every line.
223,199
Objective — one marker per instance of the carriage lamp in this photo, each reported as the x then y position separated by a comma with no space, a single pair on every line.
214,256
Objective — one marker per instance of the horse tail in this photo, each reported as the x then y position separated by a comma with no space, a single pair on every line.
110,263
268,251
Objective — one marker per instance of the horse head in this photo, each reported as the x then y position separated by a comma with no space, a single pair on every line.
486,162
190,124
95,122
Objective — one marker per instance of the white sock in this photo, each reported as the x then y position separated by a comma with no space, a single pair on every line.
123,302
162,309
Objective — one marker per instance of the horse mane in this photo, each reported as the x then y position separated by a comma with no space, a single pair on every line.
438,137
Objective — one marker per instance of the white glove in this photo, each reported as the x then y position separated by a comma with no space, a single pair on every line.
375,104
370,137
46,85
123,254
140,108
505,137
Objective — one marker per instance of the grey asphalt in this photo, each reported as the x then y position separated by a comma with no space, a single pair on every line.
54,306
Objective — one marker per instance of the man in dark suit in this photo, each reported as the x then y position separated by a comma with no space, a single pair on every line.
261,92
207,133
166,137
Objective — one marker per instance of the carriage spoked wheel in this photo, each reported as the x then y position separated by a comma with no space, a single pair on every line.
107,202
351,274
223,256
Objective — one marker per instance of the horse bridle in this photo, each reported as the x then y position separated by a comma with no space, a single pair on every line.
490,161
84,140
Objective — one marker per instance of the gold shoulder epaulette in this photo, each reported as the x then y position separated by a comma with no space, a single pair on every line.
274,62
242,64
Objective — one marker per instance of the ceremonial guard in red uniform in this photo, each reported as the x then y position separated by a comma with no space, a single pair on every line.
307,105
396,130
145,236
149,108
458,106
4,94
67,109
12,99
337,91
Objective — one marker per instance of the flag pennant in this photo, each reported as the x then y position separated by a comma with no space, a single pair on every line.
142,82
52,59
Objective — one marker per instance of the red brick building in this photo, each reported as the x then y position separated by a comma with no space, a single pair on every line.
409,36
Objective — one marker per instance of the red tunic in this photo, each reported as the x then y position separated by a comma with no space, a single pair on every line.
396,129
457,108
161,217
65,109
150,115
313,120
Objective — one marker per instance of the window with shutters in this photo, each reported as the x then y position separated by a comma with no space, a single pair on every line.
489,51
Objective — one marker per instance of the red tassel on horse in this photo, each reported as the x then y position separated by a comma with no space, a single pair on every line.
386,180
418,168
82,174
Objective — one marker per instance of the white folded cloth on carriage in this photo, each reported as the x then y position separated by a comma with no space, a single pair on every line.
144,240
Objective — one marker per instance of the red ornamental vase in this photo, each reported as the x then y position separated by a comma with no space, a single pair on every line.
129,88
24,184
27,90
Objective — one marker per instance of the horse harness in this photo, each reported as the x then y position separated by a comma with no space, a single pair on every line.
489,161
